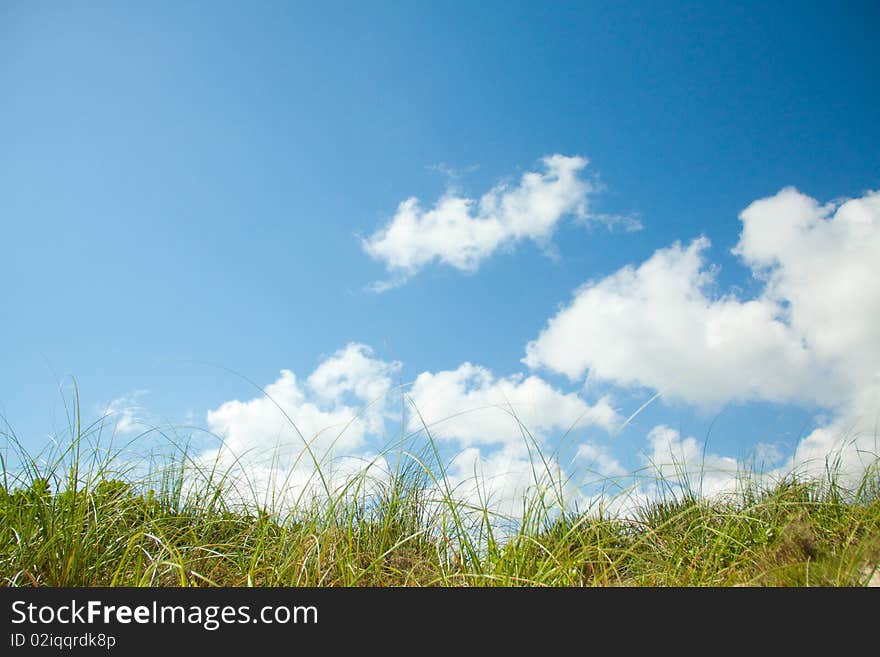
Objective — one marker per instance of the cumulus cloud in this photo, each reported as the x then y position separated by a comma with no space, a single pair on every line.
353,371
296,414
685,461
810,335
303,436
473,407
596,458
657,326
278,441
503,480
461,232
673,466
499,425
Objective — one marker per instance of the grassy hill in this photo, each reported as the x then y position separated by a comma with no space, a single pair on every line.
79,522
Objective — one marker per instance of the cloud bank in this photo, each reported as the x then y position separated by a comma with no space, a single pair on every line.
302,437
809,336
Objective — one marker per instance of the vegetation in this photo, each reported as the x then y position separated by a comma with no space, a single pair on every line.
83,518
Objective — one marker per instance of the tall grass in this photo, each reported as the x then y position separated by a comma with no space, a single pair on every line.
86,514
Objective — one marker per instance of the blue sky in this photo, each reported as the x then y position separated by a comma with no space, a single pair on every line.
188,187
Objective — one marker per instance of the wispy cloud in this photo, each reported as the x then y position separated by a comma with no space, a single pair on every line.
631,223
125,414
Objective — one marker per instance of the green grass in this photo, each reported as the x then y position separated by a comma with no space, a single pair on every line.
89,516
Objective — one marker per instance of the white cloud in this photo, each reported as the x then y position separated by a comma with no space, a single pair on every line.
276,443
341,409
673,466
596,458
341,401
504,480
629,222
286,415
826,268
276,483
126,414
765,454
354,371
657,326
811,335
462,232
335,409
502,423
471,406
848,444
684,461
